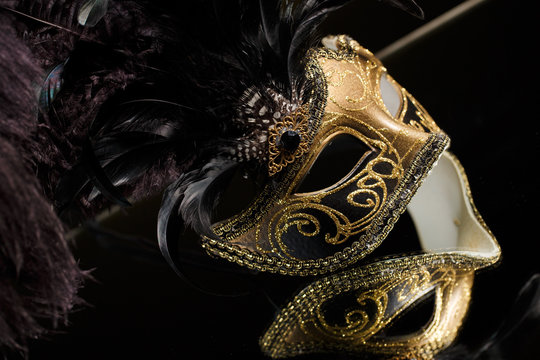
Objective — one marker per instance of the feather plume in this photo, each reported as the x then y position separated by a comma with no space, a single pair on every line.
141,89
39,276
201,194
99,178
51,87
188,193
131,164
259,45
92,11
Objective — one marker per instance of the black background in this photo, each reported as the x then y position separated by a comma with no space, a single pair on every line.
478,78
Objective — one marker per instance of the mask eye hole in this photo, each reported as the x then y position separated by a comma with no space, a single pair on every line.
414,319
335,163
390,95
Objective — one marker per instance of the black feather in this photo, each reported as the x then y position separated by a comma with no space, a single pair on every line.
169,231
92,11
169,224
88,170
271,25
99,178
50,88
121,157
201,194
131,164
308,17
69,187
409,6
110,147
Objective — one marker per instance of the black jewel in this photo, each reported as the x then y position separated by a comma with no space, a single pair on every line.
289,140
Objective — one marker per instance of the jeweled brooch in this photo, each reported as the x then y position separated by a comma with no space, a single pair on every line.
287,140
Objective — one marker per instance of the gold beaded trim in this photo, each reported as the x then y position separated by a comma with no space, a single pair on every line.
377,232
303,311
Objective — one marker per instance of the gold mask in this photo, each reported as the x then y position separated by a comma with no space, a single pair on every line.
353,311
306,233
294,233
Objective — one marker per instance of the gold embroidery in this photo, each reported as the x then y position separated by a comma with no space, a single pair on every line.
373,311
379,293
367,190
366,243
267,235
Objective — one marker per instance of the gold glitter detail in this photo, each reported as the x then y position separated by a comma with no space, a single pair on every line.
345,99
367,191
386,217
382,291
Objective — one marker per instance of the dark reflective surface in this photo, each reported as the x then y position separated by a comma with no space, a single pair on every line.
478,77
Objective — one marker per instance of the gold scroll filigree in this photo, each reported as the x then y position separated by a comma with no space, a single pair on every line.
375,308
365,192
316,320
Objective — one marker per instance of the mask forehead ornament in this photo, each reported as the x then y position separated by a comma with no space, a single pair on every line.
297,233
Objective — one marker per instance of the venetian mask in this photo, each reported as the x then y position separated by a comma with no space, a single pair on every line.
305,223
360,310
